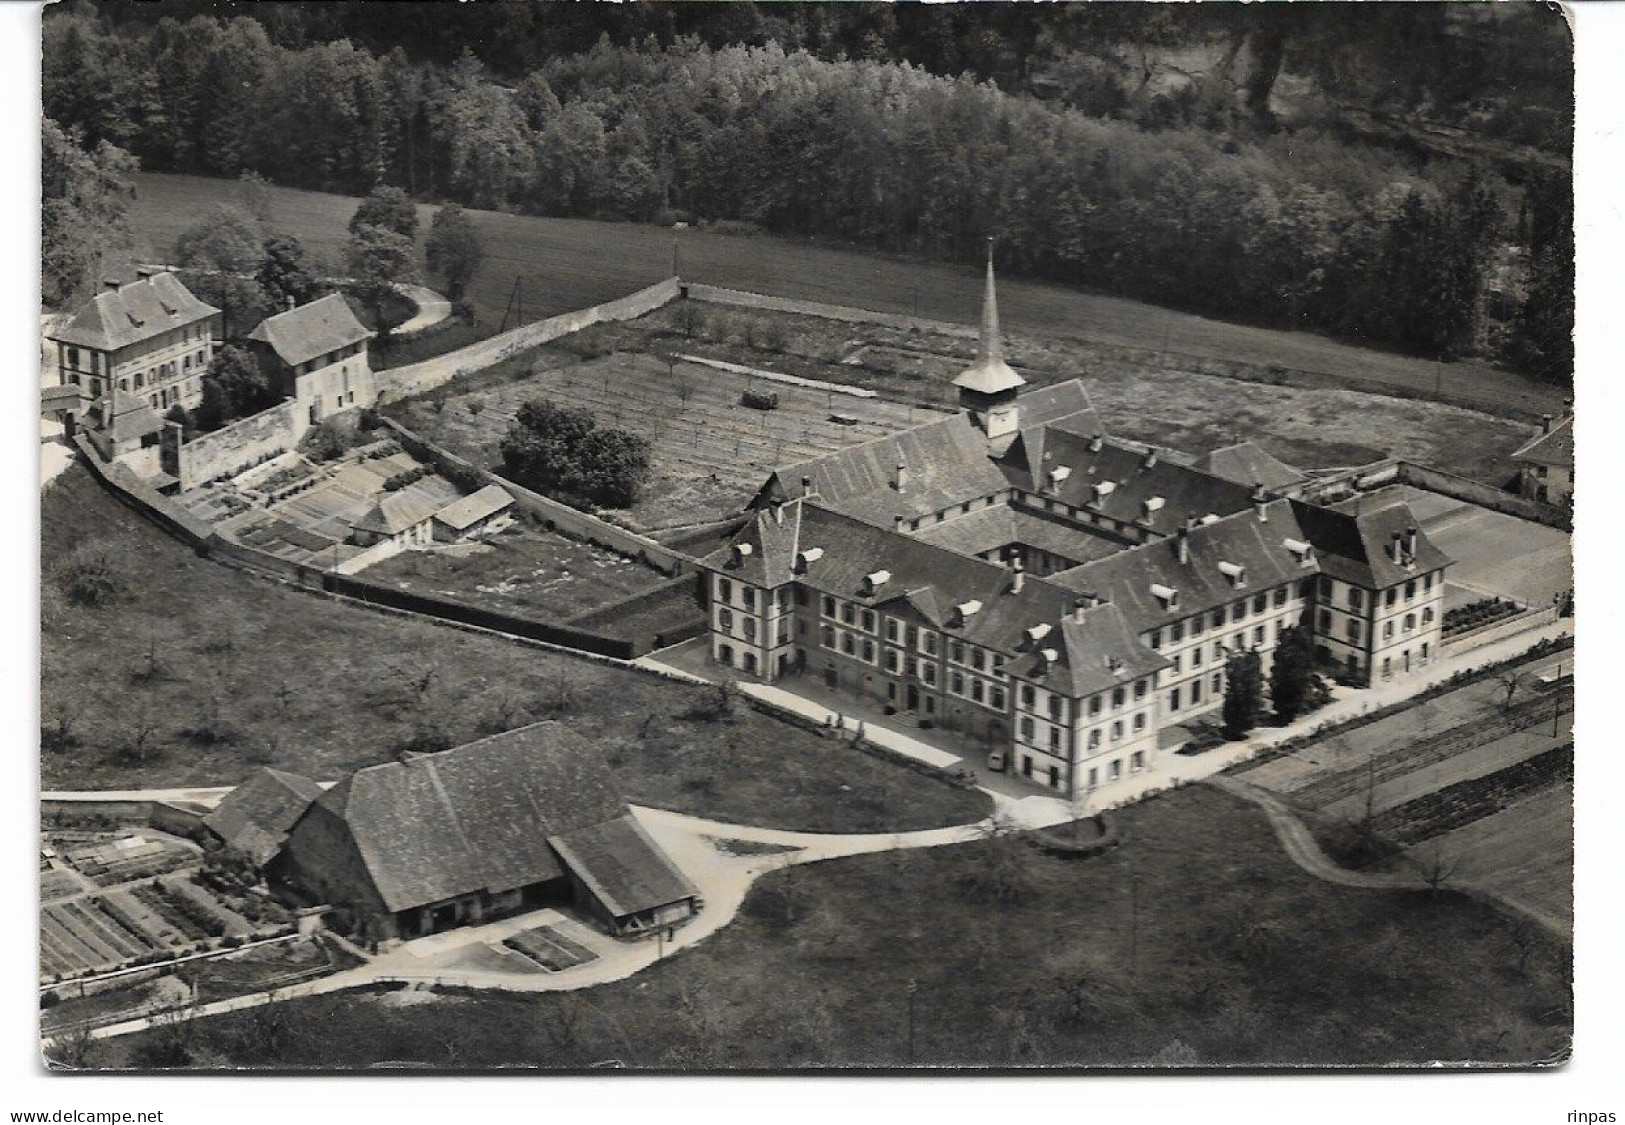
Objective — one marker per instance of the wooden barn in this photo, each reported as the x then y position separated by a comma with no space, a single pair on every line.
520,820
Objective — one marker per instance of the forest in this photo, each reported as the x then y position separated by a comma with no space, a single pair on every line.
1270,164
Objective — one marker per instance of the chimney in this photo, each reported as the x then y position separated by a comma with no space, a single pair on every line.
1410,541
1079,605
900,481
807,487
1017,576
1150,460
1182,542
1261,500
778,511
1545,423
1095,443
1394,546
897,523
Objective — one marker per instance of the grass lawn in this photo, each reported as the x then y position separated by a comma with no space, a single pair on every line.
564,264
200,673
520,570
1197,942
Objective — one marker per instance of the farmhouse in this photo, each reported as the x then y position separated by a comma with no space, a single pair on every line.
402,517
136,349
317,353
1012,573
516,821
1546,463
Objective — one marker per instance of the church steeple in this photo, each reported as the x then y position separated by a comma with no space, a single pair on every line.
987,389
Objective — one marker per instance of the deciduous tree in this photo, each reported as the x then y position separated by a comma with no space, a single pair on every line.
454,250
1243,691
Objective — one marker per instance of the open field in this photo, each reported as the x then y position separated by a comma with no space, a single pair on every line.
1495,554
520,570
570,263
1523,853
710,453
1227,954
200,673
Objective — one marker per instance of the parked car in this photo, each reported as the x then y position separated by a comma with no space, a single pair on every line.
996,761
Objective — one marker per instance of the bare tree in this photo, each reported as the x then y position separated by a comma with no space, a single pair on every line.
73,1049
1438,868
142,730
1510,680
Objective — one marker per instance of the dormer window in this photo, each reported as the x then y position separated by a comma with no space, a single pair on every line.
1167,595
874,581
964,611
1096,443
1058,475
1303,552
808,557
1235,572
742,551
1037,633
1153,505
1104,489
1049,656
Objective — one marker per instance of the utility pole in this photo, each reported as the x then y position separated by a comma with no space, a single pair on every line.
913,987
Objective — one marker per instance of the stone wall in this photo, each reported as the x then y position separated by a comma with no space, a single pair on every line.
397,383
241,445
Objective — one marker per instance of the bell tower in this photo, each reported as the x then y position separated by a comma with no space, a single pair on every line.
988,388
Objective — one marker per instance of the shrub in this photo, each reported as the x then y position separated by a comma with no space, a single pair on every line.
91,576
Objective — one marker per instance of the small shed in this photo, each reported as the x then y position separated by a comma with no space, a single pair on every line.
473,515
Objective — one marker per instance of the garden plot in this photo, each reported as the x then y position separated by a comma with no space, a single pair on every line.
710,452
536,573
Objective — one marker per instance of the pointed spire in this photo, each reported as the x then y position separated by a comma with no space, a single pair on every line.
989,374
990,350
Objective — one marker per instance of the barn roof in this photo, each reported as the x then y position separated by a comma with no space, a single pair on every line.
466,511
314,329
133,312
623,868
475,818
256,816
394,512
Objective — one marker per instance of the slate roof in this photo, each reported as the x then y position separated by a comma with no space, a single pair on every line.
130,418
396,511
1555,448
623,868
256,816
1125,579
947,462
930,578
135,311
1184,491
301,334
1096,650
987,528
475,818
1354,546
1248,464
465,512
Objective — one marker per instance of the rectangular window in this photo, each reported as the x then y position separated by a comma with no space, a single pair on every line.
868,621
1387,630
1354,631
976,690
1239,610
1218,619
956,683
868,651
1094,705
1218,682
891,629
1280,596
1118,696
725,618
995,698
1027,696
1139,722
928,673
1054,738
1094,739
1137,761
1174,668
1196,657
1117,769
1139,690
1196,625
1057,713
829,606
1117,730
891,661
1156,638
1325,621
1196,692
747,594
1410,589
1260,603
1258,634
750,628
928,642
1094,778
1027,729
849,613
1392,596
1173,700
848,644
